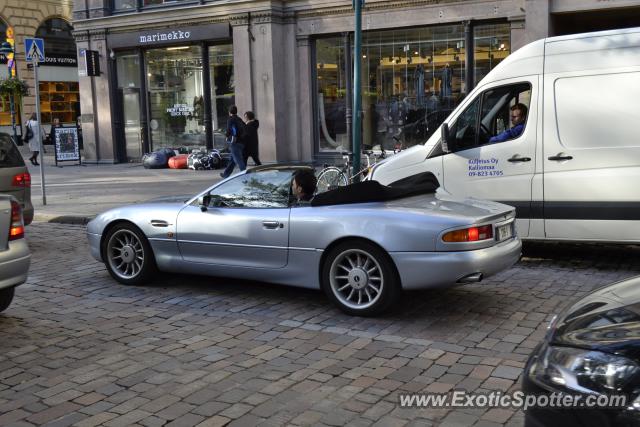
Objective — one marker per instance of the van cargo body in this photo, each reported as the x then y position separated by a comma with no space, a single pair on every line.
573,171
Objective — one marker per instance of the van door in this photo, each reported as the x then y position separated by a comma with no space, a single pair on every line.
495,157
592,155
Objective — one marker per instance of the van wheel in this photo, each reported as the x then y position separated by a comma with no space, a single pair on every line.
360,278
6,296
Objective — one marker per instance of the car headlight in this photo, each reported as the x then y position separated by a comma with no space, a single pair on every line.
582,370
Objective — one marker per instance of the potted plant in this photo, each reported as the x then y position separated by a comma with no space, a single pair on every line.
15,87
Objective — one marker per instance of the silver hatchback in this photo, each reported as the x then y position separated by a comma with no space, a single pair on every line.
15,257
15,179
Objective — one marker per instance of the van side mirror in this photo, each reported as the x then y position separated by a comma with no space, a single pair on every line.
447,141
203,202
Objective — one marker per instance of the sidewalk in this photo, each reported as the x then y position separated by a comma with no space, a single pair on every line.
75,193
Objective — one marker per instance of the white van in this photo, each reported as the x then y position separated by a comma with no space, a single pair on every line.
573,172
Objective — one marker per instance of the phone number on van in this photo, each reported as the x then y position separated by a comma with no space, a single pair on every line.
486,173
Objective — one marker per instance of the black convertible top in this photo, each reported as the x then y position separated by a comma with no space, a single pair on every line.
373,191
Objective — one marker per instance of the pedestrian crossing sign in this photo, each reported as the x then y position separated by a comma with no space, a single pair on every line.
34,49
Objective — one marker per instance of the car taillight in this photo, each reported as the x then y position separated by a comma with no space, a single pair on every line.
16,230
21,180
471,234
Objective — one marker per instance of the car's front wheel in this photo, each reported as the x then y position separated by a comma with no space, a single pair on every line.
360,278
128,255
6,296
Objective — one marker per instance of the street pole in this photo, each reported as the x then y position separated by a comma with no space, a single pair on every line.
357,99
36,64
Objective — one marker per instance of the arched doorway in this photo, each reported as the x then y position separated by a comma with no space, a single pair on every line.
59,94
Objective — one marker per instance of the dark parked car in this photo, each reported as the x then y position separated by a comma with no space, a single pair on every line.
593,348
15,179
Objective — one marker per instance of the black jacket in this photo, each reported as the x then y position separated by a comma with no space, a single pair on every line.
251,136
235,126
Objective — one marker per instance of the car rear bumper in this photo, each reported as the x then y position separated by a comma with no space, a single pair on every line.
14,264
421,270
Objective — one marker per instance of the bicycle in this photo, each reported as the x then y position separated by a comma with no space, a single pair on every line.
332,177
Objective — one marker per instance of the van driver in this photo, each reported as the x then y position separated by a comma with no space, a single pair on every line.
518,117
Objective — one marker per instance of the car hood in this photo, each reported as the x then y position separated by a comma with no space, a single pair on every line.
182,198
607,319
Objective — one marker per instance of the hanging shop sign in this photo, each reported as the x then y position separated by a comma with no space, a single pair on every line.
178,35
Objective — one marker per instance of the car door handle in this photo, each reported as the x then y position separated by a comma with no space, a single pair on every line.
559,158
271,225
515,159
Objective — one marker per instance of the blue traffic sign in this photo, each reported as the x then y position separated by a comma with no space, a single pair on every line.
34,49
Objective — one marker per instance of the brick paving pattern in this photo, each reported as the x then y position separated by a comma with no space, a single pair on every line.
76,348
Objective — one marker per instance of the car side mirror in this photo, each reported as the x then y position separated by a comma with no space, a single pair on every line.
448,141
203,202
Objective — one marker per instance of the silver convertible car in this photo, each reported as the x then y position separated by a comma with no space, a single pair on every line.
362,244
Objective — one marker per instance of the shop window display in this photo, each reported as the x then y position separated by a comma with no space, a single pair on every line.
411,80
222,90
176,102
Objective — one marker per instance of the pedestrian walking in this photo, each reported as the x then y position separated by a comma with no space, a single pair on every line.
235,140
251,125
33,136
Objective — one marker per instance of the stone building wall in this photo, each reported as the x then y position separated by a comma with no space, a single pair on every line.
25,16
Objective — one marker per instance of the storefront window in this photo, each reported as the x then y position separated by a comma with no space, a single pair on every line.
176,103
411,80
331,94
492,45
222,90
59,94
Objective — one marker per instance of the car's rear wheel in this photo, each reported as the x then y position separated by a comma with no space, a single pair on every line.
6,296
128,255
360,278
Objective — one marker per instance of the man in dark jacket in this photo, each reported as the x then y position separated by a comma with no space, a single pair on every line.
235,139
251,138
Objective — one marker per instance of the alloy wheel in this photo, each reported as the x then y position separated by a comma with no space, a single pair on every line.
125,254
356,279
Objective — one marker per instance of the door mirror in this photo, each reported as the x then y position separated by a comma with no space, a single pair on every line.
203,202
447,141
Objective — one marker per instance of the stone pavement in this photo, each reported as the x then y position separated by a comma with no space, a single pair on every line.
76,348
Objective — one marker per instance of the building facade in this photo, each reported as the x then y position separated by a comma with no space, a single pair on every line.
58,76
169,69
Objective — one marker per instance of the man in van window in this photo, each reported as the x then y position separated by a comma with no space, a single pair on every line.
518,117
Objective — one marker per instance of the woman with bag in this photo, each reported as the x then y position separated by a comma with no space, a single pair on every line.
34,137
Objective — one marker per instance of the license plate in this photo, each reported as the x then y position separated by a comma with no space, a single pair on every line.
504,232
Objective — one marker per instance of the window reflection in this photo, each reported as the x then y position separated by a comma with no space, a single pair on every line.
411,80
124,4
222,90
265,189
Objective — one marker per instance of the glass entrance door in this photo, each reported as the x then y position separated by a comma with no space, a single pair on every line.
132,129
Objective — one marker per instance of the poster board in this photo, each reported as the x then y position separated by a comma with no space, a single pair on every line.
66,144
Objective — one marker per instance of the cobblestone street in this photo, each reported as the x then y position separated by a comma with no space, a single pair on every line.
76,348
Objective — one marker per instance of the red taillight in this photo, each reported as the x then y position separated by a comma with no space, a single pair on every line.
16,230
471,234
22,180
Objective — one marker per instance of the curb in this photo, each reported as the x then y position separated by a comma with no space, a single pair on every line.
63,219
